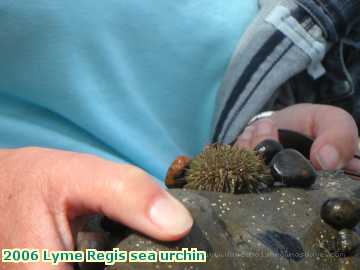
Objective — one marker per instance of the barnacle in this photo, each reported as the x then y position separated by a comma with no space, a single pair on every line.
223,168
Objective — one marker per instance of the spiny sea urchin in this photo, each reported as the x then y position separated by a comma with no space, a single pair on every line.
223,168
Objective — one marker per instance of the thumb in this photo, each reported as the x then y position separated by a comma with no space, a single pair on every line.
124,193
333,129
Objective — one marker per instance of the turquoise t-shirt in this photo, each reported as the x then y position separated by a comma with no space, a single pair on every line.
131,81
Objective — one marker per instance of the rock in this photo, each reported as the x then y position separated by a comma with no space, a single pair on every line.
208,234
340,213
276,230
268,149
291,168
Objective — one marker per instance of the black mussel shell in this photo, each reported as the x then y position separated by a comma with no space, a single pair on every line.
340,213
113,227
268,149
296,140
291,168
347,242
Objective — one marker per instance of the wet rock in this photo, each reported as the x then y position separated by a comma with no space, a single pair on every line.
347,242
208,234
276,230
340,213
268,149
291,168
321,239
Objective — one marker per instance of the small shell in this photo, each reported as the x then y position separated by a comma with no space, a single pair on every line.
291,168
347,242
340,213
268,149
175,174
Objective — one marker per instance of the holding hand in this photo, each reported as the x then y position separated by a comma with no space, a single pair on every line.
334,132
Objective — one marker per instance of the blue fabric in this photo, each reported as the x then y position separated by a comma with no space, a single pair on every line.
131,81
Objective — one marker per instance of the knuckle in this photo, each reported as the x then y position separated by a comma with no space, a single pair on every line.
85,157
132,175
133,171
337,111
135,180
341,112
348,118
21,160
341,116
21,171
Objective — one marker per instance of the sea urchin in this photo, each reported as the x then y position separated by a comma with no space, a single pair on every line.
223,168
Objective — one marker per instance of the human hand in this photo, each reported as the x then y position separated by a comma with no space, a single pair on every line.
334,132
43,190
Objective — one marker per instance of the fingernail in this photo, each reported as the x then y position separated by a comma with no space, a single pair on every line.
328,158
170,215
264,127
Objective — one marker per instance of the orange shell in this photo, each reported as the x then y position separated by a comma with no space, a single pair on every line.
175,170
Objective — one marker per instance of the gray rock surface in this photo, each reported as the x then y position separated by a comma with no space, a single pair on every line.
281,229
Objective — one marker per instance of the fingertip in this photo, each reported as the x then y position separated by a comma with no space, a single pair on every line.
131,196
331,152
336,137
352,168
328,158
353,165
170,216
